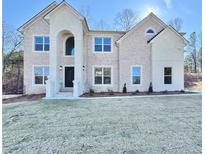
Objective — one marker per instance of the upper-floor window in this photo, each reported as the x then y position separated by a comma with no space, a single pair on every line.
150,31
136,75
69,46
167,75
41,75
102,44
42,43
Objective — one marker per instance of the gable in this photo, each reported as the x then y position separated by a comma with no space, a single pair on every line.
64,8
64,12
38,16
169,33
61,5
152,19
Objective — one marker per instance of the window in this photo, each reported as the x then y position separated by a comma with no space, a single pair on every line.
136,75
98,44
69,46
102,75
107,44
102,44
42,43
150,31
40,75
167,75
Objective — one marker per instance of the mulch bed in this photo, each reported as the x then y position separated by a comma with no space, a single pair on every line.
108,94
24,98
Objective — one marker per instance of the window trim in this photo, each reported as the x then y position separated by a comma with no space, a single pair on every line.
131,74
100,36
167,75
64,46
148,34
93,76
33,43
33,75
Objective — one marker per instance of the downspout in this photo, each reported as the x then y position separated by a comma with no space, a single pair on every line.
118,66
151,63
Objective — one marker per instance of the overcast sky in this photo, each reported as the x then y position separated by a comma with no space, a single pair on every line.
17,12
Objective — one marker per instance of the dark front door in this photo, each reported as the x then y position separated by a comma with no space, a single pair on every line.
69,76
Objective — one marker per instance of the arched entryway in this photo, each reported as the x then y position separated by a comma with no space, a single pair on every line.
66,52
66,64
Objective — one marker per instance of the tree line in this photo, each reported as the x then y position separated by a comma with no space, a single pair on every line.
12,57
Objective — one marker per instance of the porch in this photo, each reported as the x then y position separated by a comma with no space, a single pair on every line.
65,80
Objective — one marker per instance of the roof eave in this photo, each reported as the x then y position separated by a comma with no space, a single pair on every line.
47,16
168,27
34,18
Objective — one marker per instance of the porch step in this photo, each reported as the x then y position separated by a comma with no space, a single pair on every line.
65,94
66,90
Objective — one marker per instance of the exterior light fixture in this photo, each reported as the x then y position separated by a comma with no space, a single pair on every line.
60,67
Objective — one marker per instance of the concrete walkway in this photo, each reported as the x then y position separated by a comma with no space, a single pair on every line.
11,96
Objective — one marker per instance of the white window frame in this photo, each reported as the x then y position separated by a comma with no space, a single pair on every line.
64,46
148,34
102,66
168,75
33,75
100,52
33,46
131,72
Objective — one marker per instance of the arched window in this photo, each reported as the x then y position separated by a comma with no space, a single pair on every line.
69,46
150,31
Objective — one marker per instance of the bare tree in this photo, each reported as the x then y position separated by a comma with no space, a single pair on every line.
85,11
12,40
193,51
200,51
125,19
200,58
176,23
12,43
101,25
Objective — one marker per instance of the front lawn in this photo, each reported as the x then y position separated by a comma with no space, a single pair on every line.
136,125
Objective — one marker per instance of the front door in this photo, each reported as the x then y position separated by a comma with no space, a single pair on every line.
69,76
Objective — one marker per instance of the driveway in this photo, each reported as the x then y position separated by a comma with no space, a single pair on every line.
129,125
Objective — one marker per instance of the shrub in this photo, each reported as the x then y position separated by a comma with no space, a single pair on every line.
124,89
137,91
110,92
165,92
182,91
91,91
150,90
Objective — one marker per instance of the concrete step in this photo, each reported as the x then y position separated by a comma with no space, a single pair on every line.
65,94
66,90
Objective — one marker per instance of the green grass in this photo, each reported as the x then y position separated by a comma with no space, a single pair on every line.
135,125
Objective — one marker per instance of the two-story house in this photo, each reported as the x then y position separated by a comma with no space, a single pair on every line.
62,55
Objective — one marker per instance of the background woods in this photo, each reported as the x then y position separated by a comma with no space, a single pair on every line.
12,61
